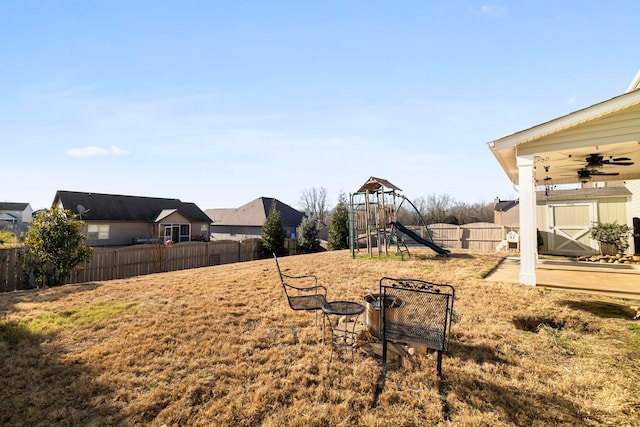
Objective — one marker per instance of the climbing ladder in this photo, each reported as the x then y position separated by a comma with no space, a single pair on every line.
396,239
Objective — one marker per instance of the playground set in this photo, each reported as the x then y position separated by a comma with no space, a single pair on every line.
373,221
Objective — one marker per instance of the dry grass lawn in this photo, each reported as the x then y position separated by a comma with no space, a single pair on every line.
215,346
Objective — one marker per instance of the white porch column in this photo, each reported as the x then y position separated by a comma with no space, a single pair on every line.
528,235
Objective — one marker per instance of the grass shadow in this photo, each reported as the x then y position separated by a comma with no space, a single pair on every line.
438,257
604,309
519,406
9,300
479,354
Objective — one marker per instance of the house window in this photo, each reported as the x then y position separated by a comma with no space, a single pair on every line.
177,232
98,232
185,232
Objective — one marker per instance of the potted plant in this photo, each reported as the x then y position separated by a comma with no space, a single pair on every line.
613,237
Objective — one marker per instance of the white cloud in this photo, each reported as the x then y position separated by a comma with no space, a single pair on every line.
572,100
490,10
93,151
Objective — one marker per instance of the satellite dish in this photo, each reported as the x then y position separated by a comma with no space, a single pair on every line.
82,210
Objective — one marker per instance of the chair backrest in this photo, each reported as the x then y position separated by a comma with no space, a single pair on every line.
417,312
284,284
302,292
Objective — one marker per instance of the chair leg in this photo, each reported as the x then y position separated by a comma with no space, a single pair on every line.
383,375
441,390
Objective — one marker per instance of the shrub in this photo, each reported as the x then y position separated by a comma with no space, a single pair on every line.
8,239
56,246
612,233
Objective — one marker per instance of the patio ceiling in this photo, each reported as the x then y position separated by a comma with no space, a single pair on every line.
560,147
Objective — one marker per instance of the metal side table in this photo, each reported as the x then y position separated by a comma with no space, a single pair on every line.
341,337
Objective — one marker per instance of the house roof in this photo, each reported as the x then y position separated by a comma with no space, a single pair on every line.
583,193
560,147
112,207
635,84
13,206
255,213
374,183
505,205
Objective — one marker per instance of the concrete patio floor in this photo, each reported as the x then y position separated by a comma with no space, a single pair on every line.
616,280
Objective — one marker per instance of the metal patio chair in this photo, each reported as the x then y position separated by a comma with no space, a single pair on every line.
423,318
302,292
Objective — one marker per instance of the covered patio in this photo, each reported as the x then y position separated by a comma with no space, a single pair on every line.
596,144
615,280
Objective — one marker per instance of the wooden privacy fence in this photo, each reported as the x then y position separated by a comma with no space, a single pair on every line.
482,236
110,263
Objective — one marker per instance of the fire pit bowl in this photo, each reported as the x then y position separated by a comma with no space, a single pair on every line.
373,320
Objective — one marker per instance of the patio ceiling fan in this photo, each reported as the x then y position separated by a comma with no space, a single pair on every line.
596,160
585,174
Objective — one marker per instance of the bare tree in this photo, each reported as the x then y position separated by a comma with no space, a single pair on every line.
439,208
314,202
444,208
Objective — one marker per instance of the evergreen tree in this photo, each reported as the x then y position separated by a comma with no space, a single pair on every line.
339,229
273,232
56,246
308,234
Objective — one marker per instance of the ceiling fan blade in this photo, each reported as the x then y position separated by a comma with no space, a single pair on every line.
604,173
617,163
618,159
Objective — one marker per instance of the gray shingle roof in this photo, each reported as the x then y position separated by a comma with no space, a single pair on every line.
13,206
111,207
505,205
255,213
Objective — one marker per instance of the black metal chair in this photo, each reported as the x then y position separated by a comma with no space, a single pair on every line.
415,312
302,297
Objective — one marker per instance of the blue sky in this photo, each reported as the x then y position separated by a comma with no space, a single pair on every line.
221,102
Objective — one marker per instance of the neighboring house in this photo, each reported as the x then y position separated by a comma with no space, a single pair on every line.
16,213
15,217
246,221
506,212
116,220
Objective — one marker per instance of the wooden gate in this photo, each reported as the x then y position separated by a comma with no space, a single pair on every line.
569,227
